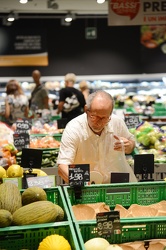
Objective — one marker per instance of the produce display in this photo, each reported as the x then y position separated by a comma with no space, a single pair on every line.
46,128
44,142
151,139
30,207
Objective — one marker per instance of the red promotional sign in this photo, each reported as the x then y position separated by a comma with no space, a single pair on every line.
125,8
136,12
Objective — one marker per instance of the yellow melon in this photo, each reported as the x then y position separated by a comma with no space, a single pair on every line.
54,242
2,172
14,170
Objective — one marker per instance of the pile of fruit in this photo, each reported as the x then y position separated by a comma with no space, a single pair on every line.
151,139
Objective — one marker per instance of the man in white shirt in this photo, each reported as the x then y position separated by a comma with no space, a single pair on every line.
97,137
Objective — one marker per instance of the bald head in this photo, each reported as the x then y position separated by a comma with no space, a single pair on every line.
100,101
36,76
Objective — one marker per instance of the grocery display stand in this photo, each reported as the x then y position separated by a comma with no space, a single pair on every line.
29,236
133,229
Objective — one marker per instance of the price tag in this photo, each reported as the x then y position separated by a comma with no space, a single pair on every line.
23,125
78,174
132,121
108,223
39,181
21,140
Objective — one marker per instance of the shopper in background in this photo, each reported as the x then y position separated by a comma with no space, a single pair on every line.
71,100
83,85
39,96
99,138
16,102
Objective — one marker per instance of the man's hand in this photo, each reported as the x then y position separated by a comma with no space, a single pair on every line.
123,144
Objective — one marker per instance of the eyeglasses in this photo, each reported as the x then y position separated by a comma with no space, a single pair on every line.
96,118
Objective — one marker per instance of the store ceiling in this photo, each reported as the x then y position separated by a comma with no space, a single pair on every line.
37,8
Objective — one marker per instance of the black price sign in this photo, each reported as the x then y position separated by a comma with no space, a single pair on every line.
108,223
21,140
78,174
23,125
132,121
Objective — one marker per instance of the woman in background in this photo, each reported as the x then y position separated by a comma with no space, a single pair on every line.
16,102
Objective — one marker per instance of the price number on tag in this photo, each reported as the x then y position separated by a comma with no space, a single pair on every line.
105,227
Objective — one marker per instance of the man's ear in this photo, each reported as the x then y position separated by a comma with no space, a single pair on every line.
85,108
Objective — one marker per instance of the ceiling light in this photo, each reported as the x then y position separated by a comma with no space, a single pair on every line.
100,1
68,18
10,18
23,1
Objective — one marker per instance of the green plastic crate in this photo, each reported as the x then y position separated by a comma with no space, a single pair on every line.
29,237
131,230
55,195
142,193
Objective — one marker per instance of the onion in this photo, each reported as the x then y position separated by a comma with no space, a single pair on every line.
114,247
96,244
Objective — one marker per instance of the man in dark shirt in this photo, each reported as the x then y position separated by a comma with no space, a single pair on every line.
71,100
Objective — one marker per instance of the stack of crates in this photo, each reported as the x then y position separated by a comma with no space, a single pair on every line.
132,229
29,237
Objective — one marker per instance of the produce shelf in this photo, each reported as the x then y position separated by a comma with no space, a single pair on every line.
131,230
142,193
29,237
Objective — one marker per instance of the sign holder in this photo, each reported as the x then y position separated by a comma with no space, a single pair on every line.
144,165
31,158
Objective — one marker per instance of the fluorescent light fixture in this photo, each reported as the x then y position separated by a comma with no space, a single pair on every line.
100,1
23,1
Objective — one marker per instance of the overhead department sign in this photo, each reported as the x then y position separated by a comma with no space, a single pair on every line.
136,12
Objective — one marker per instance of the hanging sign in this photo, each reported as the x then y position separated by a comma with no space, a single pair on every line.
136,12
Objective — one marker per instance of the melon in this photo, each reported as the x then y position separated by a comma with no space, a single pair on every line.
14,171
2,172
5,218
10,197
54,242
38,212
33,194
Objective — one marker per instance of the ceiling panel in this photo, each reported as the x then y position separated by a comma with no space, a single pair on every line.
55,7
